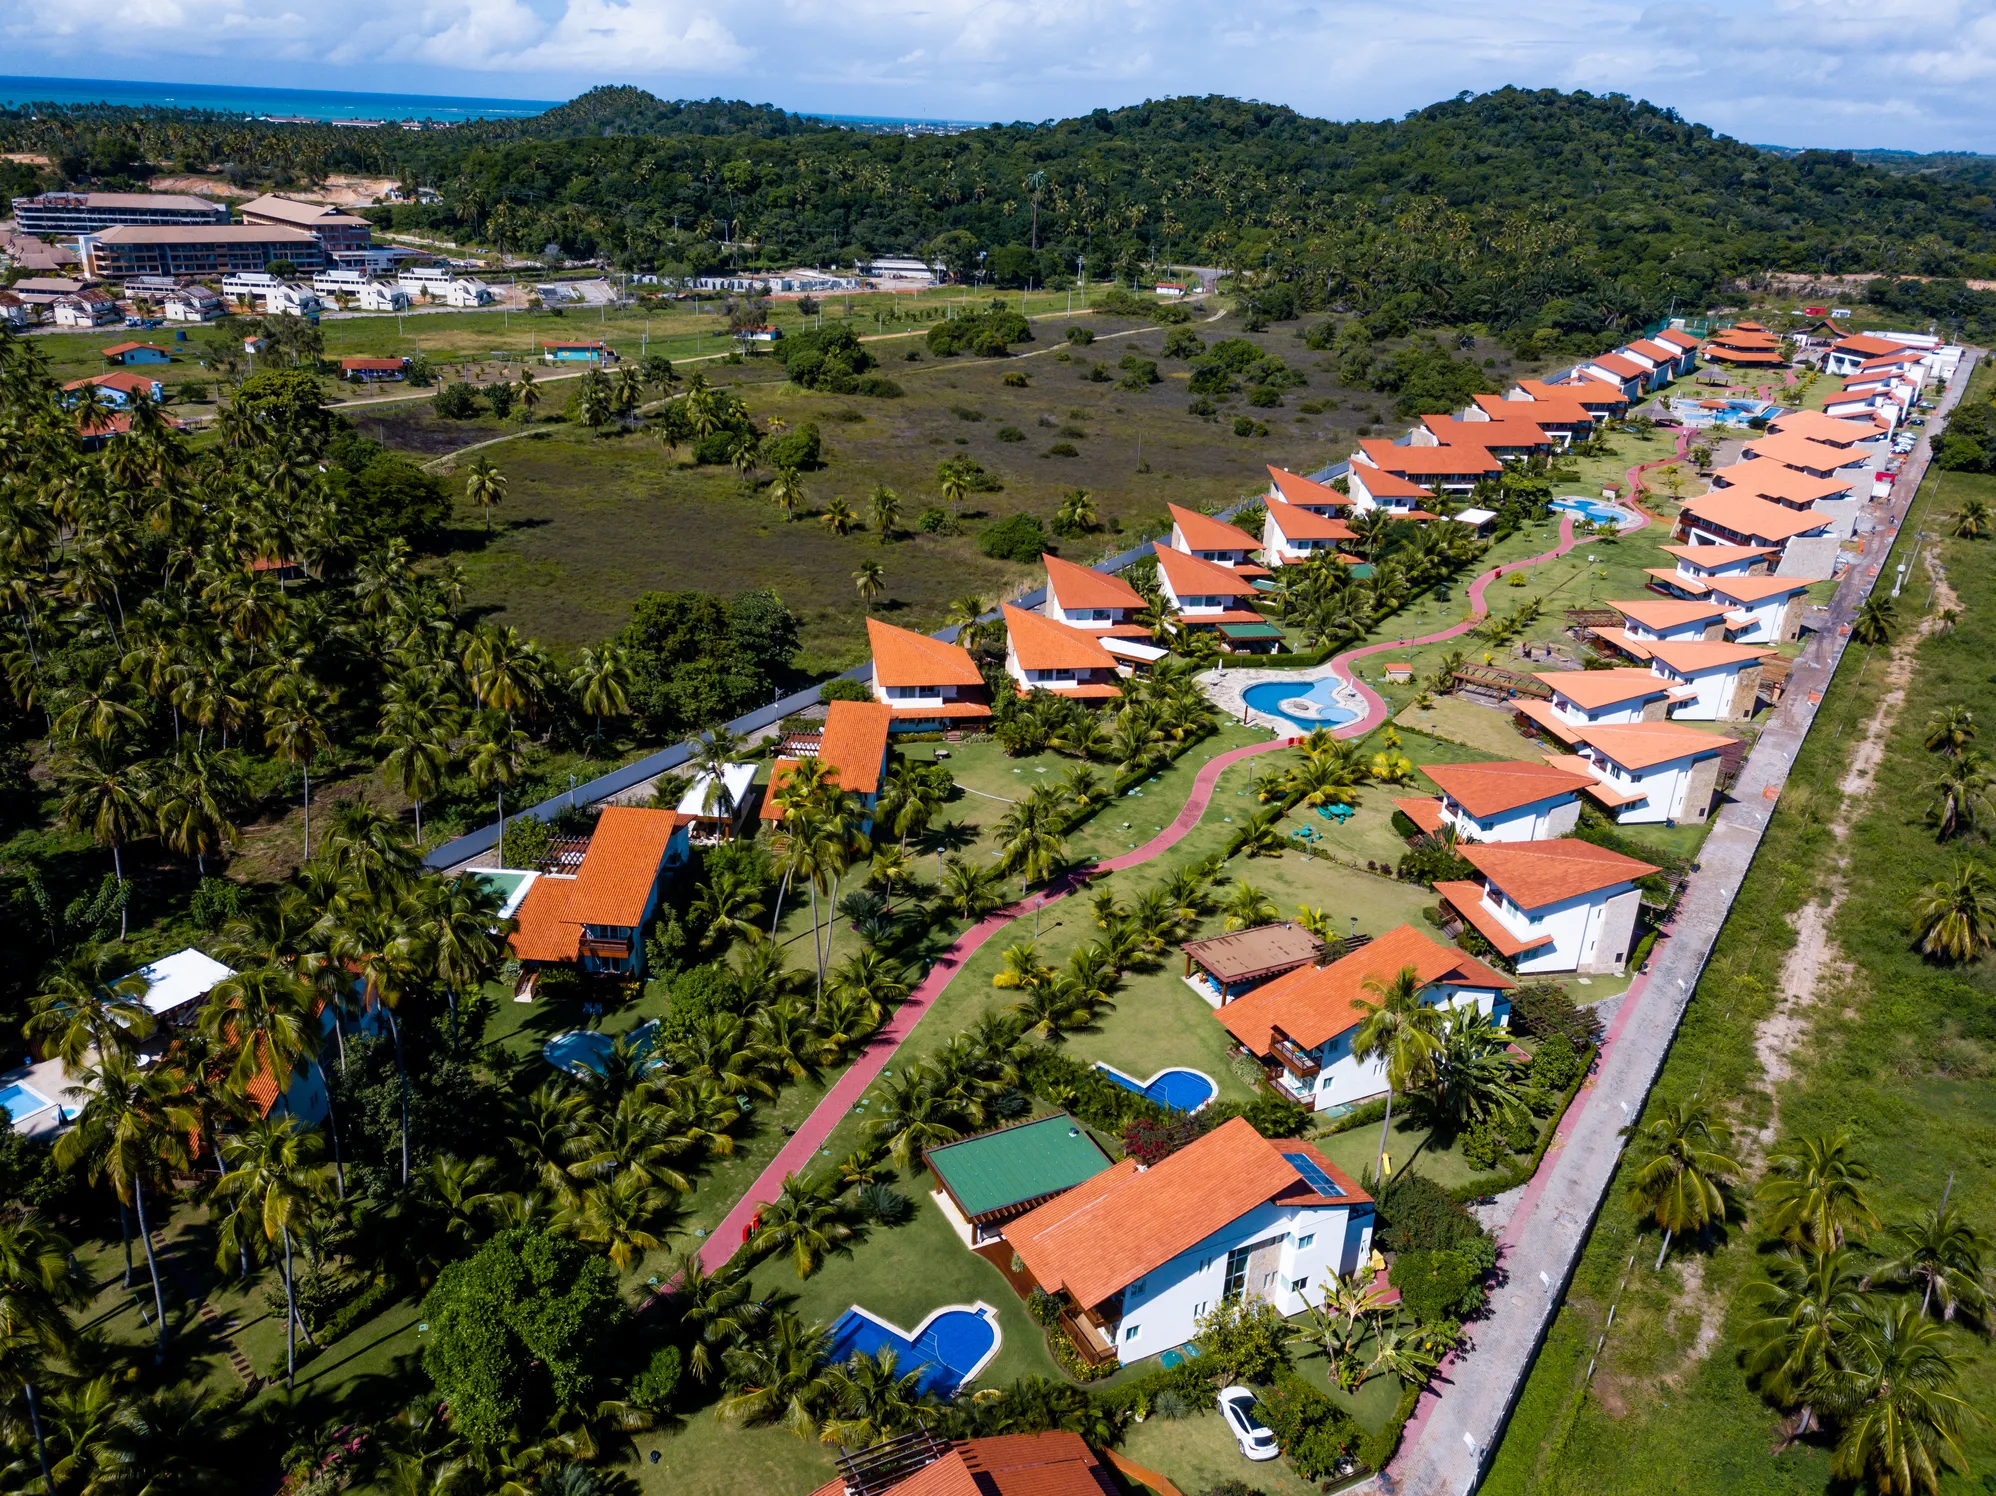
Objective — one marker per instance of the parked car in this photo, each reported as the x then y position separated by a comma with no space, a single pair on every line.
1256,1439
1917,421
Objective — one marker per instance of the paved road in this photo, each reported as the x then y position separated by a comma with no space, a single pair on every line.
1449,1443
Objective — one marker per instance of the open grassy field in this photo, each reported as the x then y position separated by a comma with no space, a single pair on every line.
1872,1038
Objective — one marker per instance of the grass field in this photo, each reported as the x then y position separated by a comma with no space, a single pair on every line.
1892,1047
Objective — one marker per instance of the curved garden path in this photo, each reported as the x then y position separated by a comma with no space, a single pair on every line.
804,1145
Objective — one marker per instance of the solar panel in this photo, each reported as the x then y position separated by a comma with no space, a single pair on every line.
1313,1175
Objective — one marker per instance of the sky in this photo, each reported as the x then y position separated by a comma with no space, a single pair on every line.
1908,74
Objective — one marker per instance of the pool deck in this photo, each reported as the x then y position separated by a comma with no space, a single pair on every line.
1227,690
913,1340
45,1078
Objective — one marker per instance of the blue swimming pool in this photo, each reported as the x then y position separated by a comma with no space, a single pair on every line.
1591,509
587,1049
1180,1089
1308,705
950,1346
23,1101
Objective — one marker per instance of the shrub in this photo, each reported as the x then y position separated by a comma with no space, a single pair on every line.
1098,374
1150,1142
1431,860
499,395
457,401
216,901
652,1389
1480,1148
1020,538
975,479
1210,377
1183,342
841,689
1245,427
1242,1340
1264,397
1043,1307
1556,1065
1086,1092
524,843
936,520
1419,1215
1271,1115
1437,1286
1080,337
825,358
801,449
1138,373
988,333
1315,1433
1015,379
1063,449
1010,434
965,413
885,1204
1541,1009
714,449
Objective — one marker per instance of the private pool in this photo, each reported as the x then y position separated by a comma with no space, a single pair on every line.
1321,703
1595,510
509,885
23,1102
587,1049
1178,1088
950,1347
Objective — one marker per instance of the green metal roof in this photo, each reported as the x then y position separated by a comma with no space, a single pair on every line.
1251,631
1017,1164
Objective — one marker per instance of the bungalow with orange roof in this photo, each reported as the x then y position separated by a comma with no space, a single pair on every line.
1607,698
1683,342
1628,376
1301,1024
1509,439
1602,400
1818,427
1290,534
120,386
1794,450
1724,678
1214,540
1206,594
1849,354
1564,905
1305,493
1650,772
1565,421
1499,802
1136,1255
1453,469
1700,563
128,354
918,1463
1875,404
1781,484
852,746
1649,619
1097,601
1400,497
1740,519
1042,655
930,685
1668,362
1765,609
596,919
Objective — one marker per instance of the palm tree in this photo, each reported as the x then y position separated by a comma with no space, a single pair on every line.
194,800
1875,618
1474,1081
966,615
875,1399
915,1114
415,736
294,730
786,491
1401,1032
107,796
78,1014
1029,835
839,515
1971,520
1956,913
39,1283
1814,1191
715,1308
592,401
1076,514
806,1220
275,1181
884,509
133,1128
1055,1004
1686,1181
1959,794
1804,1312
1902,1420
777,1376
601,681
1943,1253
528,395
871,579
1950,730
713,756
484,487
623,1215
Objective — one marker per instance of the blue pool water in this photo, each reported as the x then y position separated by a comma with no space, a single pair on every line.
1590,509
22,1102
1322,710
1181,1090
587,1048
948,1348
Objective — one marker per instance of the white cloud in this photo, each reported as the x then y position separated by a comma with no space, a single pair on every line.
1831,72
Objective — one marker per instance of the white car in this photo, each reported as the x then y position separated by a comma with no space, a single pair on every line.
1256,1439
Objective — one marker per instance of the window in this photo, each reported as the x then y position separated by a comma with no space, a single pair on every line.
1199,1309
1236,1278
1296,1285
1304,1241
1130,1333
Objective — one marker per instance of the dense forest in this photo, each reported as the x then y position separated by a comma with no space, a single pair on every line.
1525,211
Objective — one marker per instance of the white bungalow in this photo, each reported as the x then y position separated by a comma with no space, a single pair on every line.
1563,905
1203,592
1765,610
1724,678
1650,772
1500,802
1290,534
1305,493
1214,540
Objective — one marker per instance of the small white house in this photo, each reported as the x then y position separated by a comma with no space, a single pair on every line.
931,684
1044,655
369,294
1203,592
1213,540
1607,698
85,309
191,304
1765,610
1652,772
1289,534
1136,1255
1300,1025
1305,493
1500,802
169,986
1563,905
1097,601
1721,679
1655,618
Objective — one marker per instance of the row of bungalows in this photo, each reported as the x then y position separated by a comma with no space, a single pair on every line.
1646,365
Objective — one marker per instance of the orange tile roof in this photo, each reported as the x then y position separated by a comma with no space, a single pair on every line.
1543,714
1591,690
1819,427
774,809
940,711
1755,589
1315,1003
1667,612
1792,449
1467,899
1384,485
1614,363
118,379
621,866
1425,812
902,657
1689,656
854,743
1663,353
1644,745
117,348
1776,480
1191,577
1717,555
1541,412
1518,431
1204,533
1535,874
1104,1234
1049,1464
1488,789
1300,490
1867,345
1719,353
543,931
1440,461
1587,392
1760,518
1674,578
356,365
1076,586
1677,338
1042,643
1300,524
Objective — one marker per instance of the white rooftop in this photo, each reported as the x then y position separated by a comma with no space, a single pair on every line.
180,978
1475,516
738,778
1131,649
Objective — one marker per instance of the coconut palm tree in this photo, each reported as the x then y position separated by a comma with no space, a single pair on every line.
713,755
1875,619
1400,1031
106,795
1901,1419
1029,836
716,1309
484,488
133,1130
527,394
415,738
1685,1182
969,890
1971,520
1076,514
1474,1081
1950,730
264,1020
1959,793
1055,1004
1941,1252
839,515
884,510
601,682
874,1398
966,615
807,1221
1247,906
1814,1191
777,1376
295,731
786,491
1955,915
193,802
40,1282
275,1181
77,1013
1803,1314
871,580
916,1113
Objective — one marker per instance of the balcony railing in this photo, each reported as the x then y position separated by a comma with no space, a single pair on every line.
606,950
1295,1059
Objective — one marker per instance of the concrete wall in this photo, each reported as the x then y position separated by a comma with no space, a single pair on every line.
1700,784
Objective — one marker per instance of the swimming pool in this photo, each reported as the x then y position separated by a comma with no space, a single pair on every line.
1178,1088
509,885
1592,509
587,1049
23,1102
1308,705
949,1347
